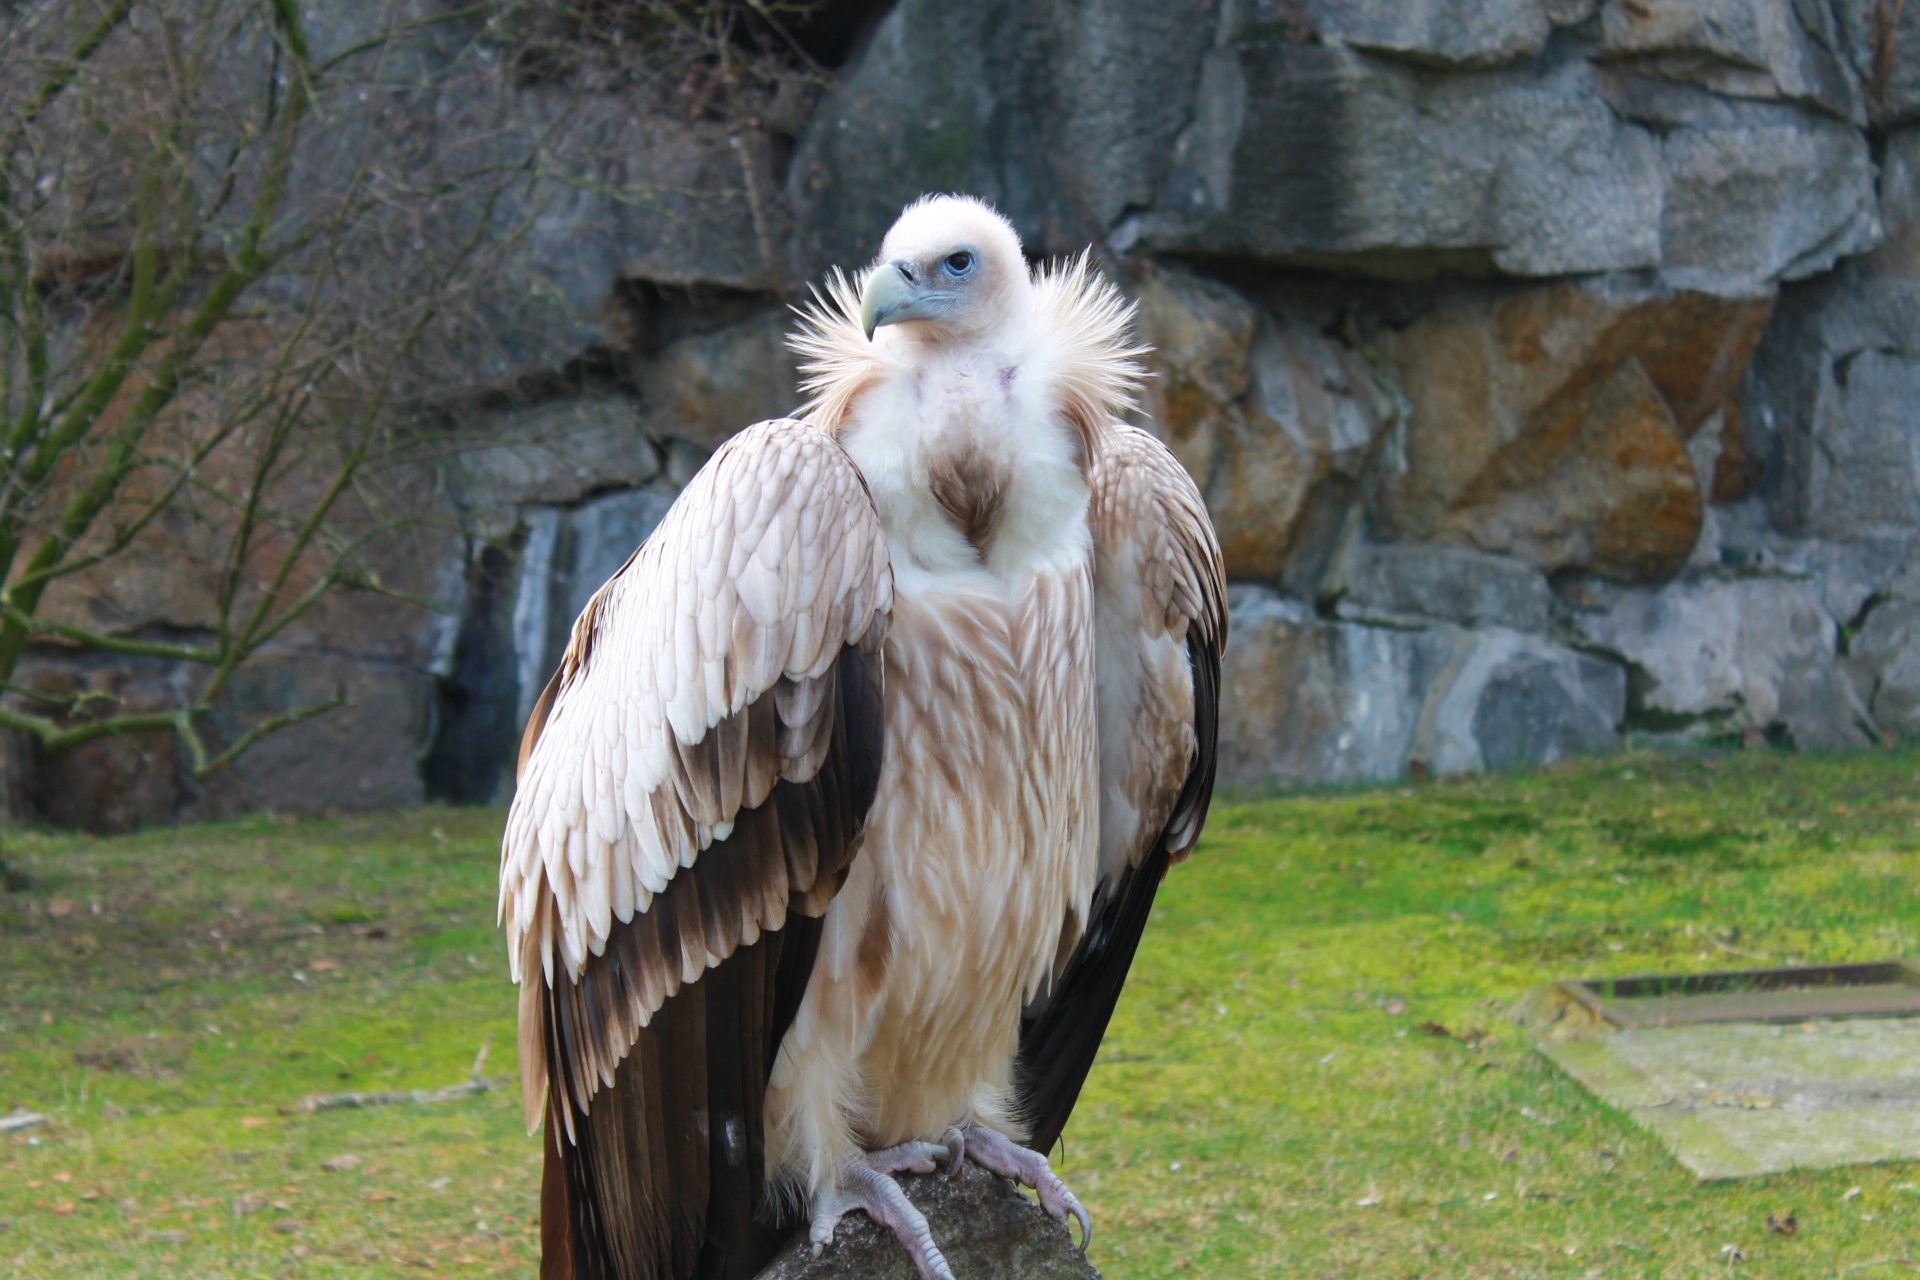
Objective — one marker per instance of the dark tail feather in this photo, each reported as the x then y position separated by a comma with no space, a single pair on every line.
1058,1044
556,1214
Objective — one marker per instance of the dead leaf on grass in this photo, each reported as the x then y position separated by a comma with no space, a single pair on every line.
340,1164
64,1209
1786,1226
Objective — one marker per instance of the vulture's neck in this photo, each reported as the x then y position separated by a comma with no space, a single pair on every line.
978,479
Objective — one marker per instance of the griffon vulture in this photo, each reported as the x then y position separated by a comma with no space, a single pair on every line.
837,827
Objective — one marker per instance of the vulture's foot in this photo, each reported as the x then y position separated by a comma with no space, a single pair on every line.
866,1184
994,1150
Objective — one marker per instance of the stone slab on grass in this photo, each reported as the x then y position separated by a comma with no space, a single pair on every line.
1739,1099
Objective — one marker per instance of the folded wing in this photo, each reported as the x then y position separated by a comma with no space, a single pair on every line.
1161,625
691,789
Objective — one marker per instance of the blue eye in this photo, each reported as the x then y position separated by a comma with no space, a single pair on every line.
958,264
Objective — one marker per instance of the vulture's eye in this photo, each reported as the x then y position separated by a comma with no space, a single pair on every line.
959,264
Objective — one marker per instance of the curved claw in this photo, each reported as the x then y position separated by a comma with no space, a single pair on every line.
995,1151
865,1184
1079,1211
955,1142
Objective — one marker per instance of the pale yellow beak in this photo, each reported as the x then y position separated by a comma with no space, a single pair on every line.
891,295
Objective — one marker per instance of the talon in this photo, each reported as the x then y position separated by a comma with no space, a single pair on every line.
865,1183
996,1151
955,1141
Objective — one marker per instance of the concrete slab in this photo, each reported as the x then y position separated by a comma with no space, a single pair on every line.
1734,1100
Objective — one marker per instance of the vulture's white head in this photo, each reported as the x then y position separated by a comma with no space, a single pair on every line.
952,284
951,267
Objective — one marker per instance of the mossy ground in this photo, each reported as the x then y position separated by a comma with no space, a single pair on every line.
1313,1072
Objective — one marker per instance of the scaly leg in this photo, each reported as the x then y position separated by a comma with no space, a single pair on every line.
866,1183
994,1150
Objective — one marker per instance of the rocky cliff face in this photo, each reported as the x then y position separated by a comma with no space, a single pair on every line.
1552,367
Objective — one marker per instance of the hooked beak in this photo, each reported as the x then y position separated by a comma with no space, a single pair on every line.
893,294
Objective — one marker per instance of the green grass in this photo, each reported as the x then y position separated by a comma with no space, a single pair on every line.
1276,1096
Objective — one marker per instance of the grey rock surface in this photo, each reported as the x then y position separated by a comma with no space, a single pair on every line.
1308,703
1831,397
986,1228
1447,33
553,451
1064,115
1509,701
1311,702
1883,42
1726,655
1400,582
1739,49
569,554
1752,204
1884,663
1325,157
707,386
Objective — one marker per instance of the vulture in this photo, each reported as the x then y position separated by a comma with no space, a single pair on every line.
838,825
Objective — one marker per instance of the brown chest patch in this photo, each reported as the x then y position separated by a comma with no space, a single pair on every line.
970,485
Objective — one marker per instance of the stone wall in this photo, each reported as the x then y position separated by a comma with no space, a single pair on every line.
1551,367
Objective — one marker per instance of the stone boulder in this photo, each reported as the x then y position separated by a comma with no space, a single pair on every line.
551,452
1724,655
569,553
1761,200
1406,583
1308,702
1324,157
1883,661
1552,423
1063,114
986,1229
1510,701
1882,40
708,386
628,191
1434,33
1737,49
1276,422
1832,397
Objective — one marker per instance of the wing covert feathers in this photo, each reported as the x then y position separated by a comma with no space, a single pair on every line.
704,671
692,786
1161,613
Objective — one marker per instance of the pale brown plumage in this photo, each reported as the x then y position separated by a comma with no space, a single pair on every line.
879,743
